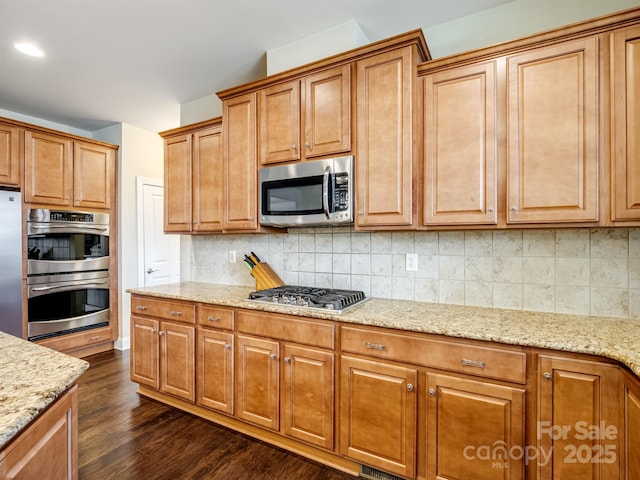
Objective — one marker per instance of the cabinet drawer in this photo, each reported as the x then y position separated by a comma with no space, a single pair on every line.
447,355
165,309
217,317
290,328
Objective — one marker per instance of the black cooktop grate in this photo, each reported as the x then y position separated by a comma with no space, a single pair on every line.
310,297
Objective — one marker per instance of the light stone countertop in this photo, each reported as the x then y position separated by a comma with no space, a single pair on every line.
618,339
32,377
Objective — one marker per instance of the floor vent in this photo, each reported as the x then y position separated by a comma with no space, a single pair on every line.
375,474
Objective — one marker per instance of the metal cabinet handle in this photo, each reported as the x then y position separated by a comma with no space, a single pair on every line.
161,332
287,359
472,363
213,319
410,387
547,375
374,346
175,313
432,392
294,148
514,208
308,145
227,346
153,330
141,307
151,270
272,356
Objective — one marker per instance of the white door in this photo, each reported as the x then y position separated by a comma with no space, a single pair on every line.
158,253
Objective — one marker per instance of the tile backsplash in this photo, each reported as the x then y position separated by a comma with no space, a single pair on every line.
581,271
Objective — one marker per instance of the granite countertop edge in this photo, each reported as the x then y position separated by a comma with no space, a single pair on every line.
614,338
32,377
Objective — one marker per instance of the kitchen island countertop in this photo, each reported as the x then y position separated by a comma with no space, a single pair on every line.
615,338
32,377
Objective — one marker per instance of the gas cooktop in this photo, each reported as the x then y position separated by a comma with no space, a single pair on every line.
310,297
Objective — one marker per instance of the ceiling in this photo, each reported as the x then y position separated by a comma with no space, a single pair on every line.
136,61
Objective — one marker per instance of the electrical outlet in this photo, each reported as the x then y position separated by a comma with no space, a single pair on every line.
232,256
411,262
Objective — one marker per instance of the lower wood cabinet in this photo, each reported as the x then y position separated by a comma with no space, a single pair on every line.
48,448
475,430
378,414
578,423
215,372
631,422
412,405
286,387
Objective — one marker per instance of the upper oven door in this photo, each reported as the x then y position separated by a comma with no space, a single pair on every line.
66,247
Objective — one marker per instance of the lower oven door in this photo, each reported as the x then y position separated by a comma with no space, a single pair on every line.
66,303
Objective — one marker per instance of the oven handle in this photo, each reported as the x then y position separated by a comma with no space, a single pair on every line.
66,286
74,227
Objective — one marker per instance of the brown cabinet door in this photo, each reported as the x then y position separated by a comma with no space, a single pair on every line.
258,381
470,424
625,99
384,162
378,408
327,112
578,420
208,180
631,429
177,355
177,183
460,146
279,132
308,395
553,133
93,171
48,169
9,162
241,182
48,448
215,370
145,366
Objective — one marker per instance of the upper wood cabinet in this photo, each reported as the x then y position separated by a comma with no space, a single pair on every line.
194,182
384,161
625,137
9,161
552,119
460,145
66,172
306,118
240,163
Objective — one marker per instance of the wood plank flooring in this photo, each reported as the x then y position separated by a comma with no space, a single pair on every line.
125,436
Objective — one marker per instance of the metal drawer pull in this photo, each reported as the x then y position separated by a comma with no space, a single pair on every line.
95,337
161,332
287,359
375,346
141,307
227,346
472,363
174,313
432,392
272,356
213,319
547,375
410,387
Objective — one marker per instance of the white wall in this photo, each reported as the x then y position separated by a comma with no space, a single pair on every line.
141,154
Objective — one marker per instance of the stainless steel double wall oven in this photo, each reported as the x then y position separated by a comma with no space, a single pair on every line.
67,272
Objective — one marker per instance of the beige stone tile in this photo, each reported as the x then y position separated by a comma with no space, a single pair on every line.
573,271
573,299
403,242
538,243
451,267
381,265
634,303
539,270
609,243
361,263
573,242
478,293
362,283
610,302
426,290
507,269
381,286
427,243
634,242
451,243
478,269
402,288
451,291
634,273
380,242
507,243
507,295
427,266
609,272
538,297
478,243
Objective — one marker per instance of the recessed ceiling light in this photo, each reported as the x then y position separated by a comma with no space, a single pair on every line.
29,49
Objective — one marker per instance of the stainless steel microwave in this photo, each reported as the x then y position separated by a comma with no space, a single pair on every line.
316,192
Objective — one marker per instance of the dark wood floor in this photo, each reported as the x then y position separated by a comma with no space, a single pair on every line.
125,436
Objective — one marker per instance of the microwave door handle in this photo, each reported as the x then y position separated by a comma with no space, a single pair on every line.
325,191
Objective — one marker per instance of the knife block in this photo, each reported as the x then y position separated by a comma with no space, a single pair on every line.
265,277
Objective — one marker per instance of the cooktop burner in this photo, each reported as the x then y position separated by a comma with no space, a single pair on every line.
310,297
